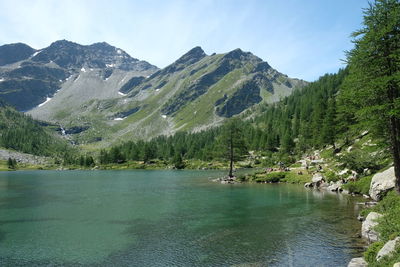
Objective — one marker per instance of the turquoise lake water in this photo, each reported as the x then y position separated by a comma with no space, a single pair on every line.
169,218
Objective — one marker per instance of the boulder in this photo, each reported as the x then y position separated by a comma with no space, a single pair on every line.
397,264
317,178
388,248
308,185
335,187
367,228
381,183
357,262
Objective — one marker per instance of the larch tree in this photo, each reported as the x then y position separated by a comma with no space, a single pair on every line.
373,84
232,144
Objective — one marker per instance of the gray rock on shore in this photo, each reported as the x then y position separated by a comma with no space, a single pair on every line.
23,157
388,248
367,228
357,262
381,183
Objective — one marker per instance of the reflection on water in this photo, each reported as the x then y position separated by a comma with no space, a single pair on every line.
159,218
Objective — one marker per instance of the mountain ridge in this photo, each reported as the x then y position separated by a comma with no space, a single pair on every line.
111,96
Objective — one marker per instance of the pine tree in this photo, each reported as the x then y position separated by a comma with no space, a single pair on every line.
10,163
177,161
232,143
373,85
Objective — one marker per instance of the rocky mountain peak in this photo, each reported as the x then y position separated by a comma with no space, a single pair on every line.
239,54
11,53
71,55
192,56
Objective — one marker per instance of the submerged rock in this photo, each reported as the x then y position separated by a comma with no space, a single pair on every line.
381,183
357,262
367,228
388,248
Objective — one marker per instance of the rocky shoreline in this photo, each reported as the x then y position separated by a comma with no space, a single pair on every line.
381,183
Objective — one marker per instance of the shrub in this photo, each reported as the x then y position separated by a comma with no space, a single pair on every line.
331,176
270,178
372,251
358,160
361,186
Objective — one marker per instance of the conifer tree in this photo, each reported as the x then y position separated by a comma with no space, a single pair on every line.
373,85
232,143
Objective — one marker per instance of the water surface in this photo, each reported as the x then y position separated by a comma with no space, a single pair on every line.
164,218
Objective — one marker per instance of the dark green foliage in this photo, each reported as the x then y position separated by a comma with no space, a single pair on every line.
231,143
177,161
274,177
20,132
306,119
86,161
360,159
11,163
371,93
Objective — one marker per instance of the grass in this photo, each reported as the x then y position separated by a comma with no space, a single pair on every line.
360,186
291,177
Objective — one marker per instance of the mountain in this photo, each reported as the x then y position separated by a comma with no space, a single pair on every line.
29,77
99,93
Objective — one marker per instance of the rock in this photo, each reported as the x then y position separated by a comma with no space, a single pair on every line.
360,218
317,161
381,183
308,185
357,262
303,163
388,248
367,228
317,178
343,172
344,191
335,187
397,264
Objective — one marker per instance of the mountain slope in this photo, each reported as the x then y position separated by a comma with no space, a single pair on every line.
30,77
195,92
21,133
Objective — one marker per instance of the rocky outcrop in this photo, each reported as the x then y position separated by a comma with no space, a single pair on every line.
335,187
357,262
367,229
388,248
381,183
23,157
317,179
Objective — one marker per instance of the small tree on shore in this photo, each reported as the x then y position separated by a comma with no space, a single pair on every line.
12,163
232,144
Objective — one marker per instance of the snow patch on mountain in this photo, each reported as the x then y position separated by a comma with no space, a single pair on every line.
47,100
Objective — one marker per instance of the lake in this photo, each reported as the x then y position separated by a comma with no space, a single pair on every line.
170,218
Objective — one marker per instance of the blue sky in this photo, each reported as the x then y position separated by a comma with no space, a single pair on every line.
301,38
